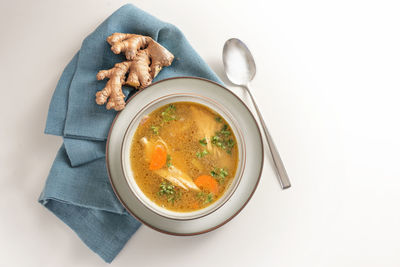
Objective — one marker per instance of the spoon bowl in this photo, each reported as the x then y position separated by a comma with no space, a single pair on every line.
239,63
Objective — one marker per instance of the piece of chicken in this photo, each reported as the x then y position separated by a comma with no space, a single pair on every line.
172,174
207,126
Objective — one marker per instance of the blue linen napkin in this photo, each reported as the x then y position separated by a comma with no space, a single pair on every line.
77,189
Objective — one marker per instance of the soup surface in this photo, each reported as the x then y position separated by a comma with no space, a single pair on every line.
184,156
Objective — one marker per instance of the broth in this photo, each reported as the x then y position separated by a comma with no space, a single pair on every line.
184,156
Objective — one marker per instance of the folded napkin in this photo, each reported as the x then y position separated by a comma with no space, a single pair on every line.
77,189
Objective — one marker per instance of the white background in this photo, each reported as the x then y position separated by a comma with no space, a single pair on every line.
327,83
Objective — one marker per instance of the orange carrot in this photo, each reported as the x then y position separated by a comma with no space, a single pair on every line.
158,157
208,183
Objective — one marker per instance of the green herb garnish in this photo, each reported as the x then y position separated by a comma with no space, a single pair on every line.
169,163
222,139
200,194
203,141
215,139
168,190
155,129
169,113
218,119
223,173
225,131
220,174
205,198
209,198
202,153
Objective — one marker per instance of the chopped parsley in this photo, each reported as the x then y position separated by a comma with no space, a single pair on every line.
219,174
169,163
223,140
201,154
203,141
209,198
155,129
224,131
218,119
205,198
168,190
169,113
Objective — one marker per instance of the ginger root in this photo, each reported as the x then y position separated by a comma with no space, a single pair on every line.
145,58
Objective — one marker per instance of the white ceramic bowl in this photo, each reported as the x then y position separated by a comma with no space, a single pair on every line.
128,139
235,113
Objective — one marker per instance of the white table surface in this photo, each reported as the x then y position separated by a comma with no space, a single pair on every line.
327,83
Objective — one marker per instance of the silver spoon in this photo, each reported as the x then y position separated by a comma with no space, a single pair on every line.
240,68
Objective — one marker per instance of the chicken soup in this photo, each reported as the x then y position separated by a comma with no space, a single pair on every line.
184,156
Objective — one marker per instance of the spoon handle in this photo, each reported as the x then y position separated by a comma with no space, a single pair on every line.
280,168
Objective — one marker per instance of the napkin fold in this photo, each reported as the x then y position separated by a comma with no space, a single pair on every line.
77,189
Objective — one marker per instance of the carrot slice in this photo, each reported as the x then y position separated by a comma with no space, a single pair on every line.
158,157
208,183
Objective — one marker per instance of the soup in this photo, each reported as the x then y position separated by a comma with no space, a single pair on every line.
184,156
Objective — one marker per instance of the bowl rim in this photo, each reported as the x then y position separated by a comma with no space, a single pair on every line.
211,228
229,191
